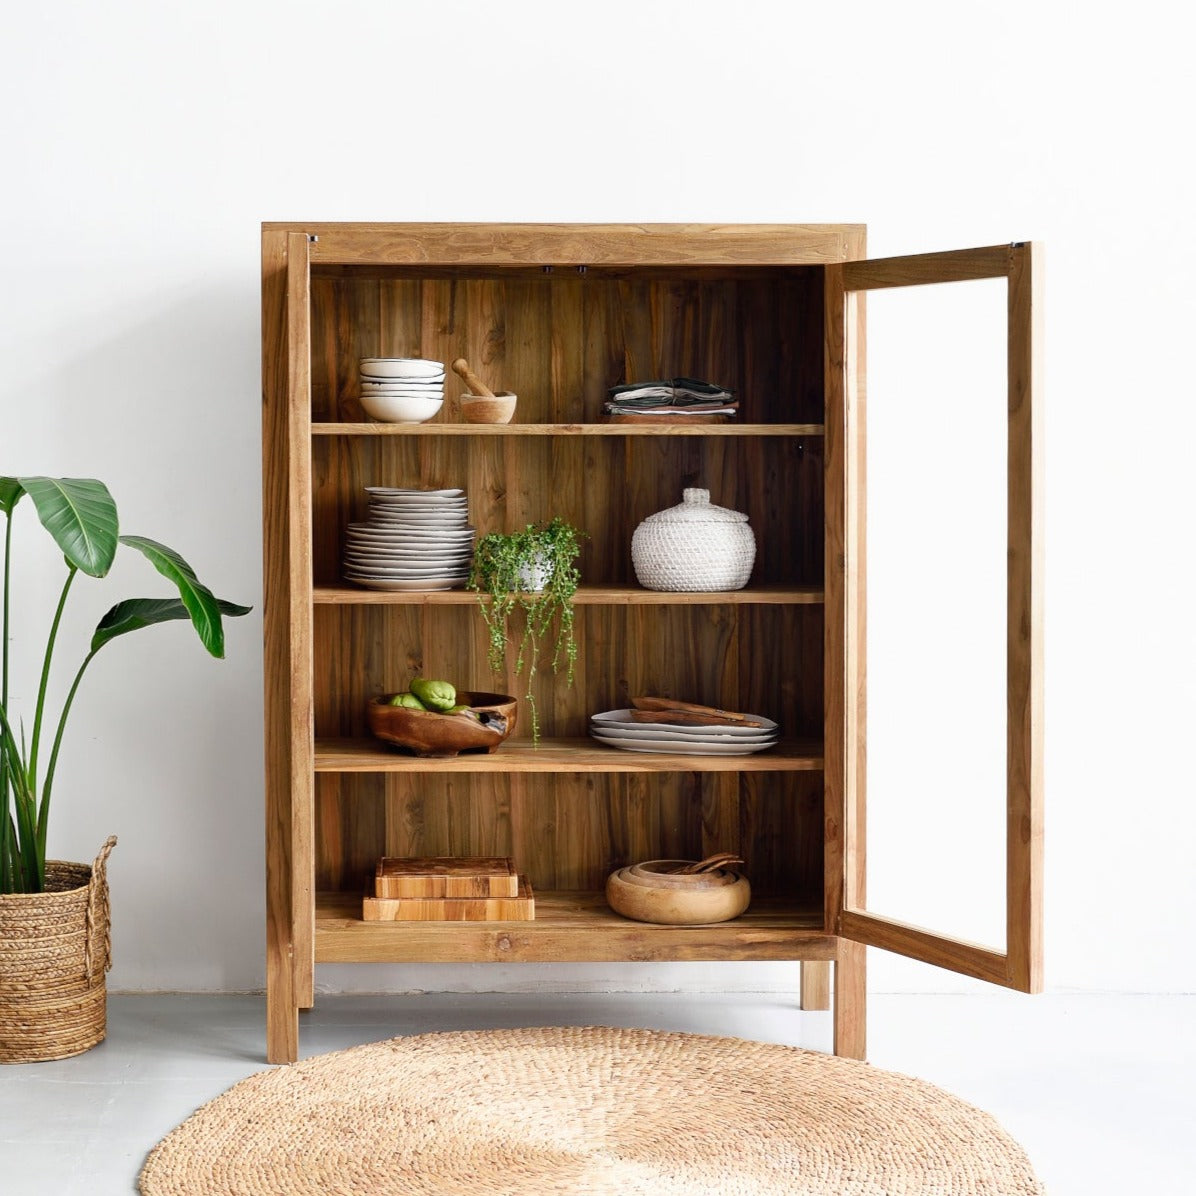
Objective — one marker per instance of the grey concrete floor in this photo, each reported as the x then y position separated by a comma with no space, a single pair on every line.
1097,1089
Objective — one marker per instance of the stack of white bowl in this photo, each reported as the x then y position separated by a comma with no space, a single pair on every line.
617,729
412,540
401,390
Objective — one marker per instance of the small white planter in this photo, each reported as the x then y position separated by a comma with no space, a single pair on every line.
533,578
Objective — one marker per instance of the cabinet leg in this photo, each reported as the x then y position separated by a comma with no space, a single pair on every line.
282,1024
282,1005
850,1001
815,985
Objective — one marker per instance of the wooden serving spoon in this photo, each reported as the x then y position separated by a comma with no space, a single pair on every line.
475,384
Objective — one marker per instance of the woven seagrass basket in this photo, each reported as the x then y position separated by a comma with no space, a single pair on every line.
693,546
54,957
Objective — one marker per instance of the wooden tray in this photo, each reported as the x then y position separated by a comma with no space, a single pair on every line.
452,909
445,876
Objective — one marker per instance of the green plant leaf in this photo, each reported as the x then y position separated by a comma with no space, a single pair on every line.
81,516
10,494
200,602
135,613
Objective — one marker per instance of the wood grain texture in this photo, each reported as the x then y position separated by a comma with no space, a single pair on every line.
815,986
442,427
956,955
776,482
559,756
740,305
287,575
560,343
520,908
850,1004
578,927
282,1022
1020,965
836,605
445,876
1024,660
299,612
573,244
923,269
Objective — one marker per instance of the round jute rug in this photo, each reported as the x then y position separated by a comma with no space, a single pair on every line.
584,1112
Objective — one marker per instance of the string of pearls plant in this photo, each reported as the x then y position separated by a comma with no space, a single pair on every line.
529,574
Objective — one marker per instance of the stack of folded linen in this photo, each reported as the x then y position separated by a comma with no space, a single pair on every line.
671,397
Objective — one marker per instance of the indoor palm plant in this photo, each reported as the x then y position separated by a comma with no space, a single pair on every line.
532,572
53,915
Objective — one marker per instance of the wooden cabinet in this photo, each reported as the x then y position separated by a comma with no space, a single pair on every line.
559,313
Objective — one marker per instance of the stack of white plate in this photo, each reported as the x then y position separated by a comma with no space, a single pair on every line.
401,390
412,540
616,729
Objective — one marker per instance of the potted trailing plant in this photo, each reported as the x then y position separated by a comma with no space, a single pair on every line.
530,574
54,915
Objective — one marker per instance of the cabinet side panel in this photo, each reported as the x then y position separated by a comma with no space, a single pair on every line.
287,644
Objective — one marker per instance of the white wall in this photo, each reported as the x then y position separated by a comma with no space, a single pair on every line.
144,142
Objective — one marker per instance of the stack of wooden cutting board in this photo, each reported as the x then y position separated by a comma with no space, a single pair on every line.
448,889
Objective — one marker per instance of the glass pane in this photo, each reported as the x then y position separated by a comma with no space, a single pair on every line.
936,544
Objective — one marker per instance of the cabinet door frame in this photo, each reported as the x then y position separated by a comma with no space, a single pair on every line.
1019,966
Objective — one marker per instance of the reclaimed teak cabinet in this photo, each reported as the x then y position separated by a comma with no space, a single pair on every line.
559,313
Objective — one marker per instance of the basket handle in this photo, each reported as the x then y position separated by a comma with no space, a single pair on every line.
96,962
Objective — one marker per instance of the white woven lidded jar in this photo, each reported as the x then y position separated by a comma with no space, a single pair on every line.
694,546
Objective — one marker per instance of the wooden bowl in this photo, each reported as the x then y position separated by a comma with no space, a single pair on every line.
481,409
652,892
427,733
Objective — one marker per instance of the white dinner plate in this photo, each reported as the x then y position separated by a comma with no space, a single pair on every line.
391,532
373,565
403,392
679,748
375,574
382,506
385,583
389,564
449,514
458,552
655,731
400,367
409,493
419,383
623,719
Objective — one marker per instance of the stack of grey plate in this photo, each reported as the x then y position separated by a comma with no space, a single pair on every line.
617,729
412,540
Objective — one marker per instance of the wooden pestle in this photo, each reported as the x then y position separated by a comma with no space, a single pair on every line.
475,384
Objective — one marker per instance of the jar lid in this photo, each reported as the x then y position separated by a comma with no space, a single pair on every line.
696,507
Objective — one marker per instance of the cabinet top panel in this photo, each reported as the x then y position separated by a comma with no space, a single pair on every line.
578,244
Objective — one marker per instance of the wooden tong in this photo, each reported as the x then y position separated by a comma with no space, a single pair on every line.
687,714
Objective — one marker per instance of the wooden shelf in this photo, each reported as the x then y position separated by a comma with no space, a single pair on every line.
766,595
559,755
343,429
569,927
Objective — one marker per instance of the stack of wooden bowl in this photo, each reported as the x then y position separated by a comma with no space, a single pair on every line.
680,892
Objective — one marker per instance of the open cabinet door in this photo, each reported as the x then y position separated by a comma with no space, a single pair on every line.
1019,966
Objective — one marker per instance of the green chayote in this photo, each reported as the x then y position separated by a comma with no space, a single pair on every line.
435,695
408,700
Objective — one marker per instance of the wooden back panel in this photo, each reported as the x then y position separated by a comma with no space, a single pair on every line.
559,340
